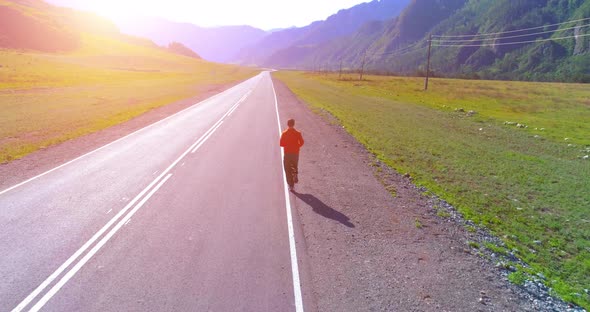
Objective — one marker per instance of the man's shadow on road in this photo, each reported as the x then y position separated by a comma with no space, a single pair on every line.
324,210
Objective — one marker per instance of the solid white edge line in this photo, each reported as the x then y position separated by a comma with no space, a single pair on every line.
82,249
95,249
119,139
292,246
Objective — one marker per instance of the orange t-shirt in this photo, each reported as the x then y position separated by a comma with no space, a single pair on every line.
291,140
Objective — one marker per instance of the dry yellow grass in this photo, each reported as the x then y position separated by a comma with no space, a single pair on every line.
49,98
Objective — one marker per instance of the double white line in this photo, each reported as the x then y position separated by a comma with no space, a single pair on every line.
122,217
207,134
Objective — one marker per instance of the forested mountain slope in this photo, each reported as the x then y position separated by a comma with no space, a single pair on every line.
527,40
295,41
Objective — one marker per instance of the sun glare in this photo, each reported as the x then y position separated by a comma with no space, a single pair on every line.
111,9
265,14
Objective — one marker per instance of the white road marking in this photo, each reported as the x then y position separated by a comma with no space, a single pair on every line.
293,248
96,236
239,102
96,248
130,134
207,137
109,210
231,111
218,124
80,251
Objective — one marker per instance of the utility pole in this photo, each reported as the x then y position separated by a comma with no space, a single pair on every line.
428,64
340,75
363,65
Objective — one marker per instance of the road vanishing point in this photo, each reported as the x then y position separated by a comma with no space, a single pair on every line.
190,213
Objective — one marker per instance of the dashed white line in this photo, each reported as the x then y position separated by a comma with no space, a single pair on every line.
80,251
130,134
96,236
93,251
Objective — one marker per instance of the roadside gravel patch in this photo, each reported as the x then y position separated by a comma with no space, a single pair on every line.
370,251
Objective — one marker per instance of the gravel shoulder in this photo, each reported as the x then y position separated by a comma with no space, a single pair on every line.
361,248
370,251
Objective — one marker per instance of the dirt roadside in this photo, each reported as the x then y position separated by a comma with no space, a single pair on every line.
42,160
362,247
370,251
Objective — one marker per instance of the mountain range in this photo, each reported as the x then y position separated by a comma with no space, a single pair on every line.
544,40
249,45
295,41
392,36
541,40
34,25
218,44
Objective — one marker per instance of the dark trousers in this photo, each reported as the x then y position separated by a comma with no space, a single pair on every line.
290,163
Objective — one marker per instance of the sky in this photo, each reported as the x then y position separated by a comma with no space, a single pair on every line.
263,14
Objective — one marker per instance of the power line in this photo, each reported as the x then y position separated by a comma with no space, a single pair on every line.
396,53
511,31
401,51
440,42
509,37
409,51
507,43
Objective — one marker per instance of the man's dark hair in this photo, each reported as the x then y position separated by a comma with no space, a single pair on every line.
291,122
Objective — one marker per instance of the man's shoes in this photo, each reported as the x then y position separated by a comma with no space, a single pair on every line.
295,178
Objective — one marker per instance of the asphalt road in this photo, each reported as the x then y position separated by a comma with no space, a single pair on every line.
187,214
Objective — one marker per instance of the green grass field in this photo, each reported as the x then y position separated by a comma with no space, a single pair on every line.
530,186
49,98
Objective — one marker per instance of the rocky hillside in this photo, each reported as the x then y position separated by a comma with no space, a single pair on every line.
548,49
179,48
289,46
34,25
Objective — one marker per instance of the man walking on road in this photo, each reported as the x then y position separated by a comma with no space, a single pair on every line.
291,140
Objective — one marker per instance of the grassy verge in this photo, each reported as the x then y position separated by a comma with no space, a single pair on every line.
529,185
49,98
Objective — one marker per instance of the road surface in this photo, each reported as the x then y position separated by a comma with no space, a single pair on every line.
188,214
